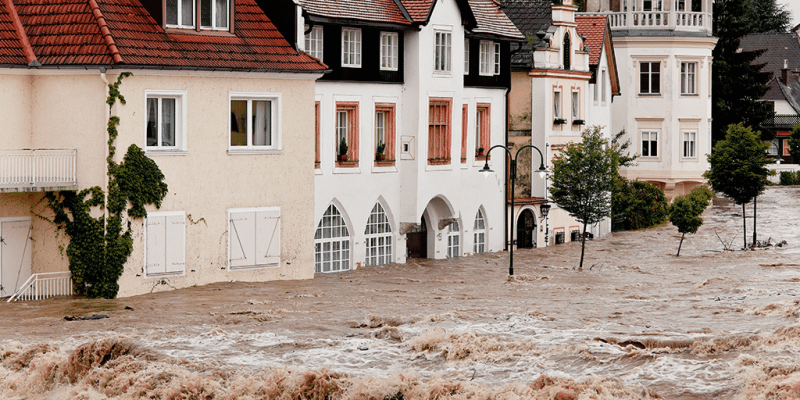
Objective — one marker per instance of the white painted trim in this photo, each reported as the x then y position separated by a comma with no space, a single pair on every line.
145,275
228,222
181,130
277,123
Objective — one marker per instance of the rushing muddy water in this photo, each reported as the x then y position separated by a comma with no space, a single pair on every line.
635,323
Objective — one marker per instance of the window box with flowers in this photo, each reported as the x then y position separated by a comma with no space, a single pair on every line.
578,122
559,121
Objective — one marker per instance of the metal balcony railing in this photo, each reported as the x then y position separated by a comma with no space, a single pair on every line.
37,169
671,20
42,286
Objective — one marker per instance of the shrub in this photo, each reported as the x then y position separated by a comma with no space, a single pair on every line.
788,178
637,205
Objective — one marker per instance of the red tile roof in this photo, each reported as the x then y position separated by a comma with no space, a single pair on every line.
418,9
493,21
365,10
594,28
11,51
122,33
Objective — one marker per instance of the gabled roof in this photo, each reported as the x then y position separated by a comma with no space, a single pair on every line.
594,29
529,16
491,20
122,33
419,10
387,11
779,48
11,50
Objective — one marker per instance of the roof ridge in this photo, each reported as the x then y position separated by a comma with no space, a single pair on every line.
27,49
105,32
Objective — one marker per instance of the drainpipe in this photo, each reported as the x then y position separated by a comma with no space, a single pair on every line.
108,115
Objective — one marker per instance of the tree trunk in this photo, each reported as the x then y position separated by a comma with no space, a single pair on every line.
680,244
583,245
755,215
744,223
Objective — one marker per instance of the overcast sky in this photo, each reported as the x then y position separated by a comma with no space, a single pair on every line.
794,7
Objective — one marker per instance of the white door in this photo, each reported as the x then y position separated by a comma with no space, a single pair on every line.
15,254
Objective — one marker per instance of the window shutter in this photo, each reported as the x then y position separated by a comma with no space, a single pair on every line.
268,237
242,239
175,228
156,245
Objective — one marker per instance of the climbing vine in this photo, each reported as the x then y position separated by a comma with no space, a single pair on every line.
99,246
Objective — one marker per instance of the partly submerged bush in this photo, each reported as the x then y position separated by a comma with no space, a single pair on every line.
637,205
789,178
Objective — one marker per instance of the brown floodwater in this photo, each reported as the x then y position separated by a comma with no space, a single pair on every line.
635,323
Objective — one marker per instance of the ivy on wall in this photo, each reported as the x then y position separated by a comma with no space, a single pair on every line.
99,246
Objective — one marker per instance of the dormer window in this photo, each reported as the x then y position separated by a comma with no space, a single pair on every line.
209,14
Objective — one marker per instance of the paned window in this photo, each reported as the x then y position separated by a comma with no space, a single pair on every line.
165,243
556,105
441,52
650,77
489,58
576,106
439,125
453,240
331,243
649,144
254,122
316,135
483,126
466,56
378,237
314,40
347,131
165,121
351,47
464,122
214,14
389,50
773,148
254,237
786,147
180,13
603,86
688,78
384,131
689,144
479,229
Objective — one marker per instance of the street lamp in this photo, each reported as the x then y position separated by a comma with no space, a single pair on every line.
513,173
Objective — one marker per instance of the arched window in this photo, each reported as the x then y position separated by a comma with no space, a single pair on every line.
453,240
379,237
331,243
567,50
479,244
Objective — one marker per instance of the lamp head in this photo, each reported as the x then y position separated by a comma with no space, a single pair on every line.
542,171
486,171
544,209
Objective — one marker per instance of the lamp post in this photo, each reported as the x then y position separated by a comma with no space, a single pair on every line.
513,173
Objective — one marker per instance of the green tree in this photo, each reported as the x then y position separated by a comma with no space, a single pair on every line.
685,211
794,144
738,84
739,169
582,180
637,205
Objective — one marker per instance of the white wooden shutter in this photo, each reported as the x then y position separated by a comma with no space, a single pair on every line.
156,245
242,239
268,237
175,228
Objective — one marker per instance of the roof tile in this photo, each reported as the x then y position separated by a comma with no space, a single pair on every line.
364,10
594,28
492,20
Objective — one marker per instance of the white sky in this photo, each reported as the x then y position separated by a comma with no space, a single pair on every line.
794,7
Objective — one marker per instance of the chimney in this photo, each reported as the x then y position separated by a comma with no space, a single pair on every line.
785,72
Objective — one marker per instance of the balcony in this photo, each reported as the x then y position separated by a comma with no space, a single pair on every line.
682,21
38,170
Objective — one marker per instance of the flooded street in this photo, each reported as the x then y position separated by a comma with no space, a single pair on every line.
636,322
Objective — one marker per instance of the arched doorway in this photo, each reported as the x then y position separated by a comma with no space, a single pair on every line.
526,226
331,243
417,241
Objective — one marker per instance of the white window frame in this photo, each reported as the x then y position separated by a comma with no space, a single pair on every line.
173,234
773,148
650,74
489,58
576,105
689,144
276,106
497,58
344,252
466,56
650,136
453,240
180,10
390,48
351,47
314,41
442,52
603,86
214,26
556,104
263,249
479,233
689,78
378,237
180,124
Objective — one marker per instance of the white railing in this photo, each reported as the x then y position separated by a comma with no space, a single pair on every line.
674,20
42,286
38,168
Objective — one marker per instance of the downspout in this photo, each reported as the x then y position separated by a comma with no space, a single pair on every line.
108,116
